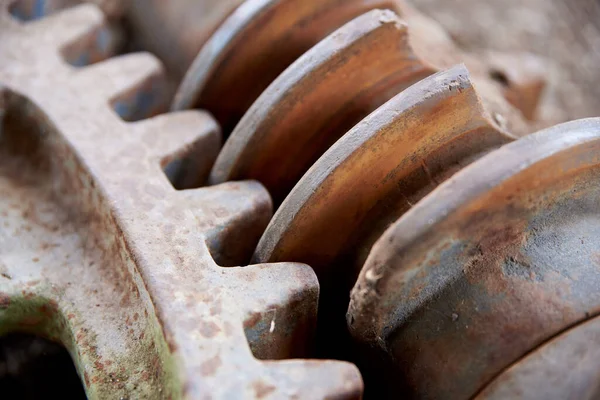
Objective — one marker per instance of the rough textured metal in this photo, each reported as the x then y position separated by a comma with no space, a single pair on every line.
99,252
321,96
373,174
495,261
261,38
566,367
317,99
108,247
370,177
253,46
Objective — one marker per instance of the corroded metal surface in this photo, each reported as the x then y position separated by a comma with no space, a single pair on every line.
322,95
565,368
373,174
317,99
254,45
484,268
495,261
101,253
370,177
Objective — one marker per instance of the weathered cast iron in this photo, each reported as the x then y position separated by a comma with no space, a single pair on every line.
497,260
254,45
369,178
261,38
317,99
564,368
110,245
322,95
382,166
101,253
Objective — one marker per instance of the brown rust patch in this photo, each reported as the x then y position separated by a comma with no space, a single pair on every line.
209,329
262,389
210,366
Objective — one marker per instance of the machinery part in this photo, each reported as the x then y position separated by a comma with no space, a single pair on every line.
369,178
373,174
176,30
539,375
101,253
317,99
261,38
253,46
491,264
107,39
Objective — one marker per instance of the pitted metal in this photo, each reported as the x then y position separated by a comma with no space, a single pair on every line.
95,226
478,259
494,262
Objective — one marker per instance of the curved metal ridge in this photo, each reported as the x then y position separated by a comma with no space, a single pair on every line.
377,170
317,99
564,368
182,326
492,263
253,46
176,30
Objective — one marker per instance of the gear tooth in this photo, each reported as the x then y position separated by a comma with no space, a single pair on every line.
94,47
279,303
187,143
317,379
239,212
133,83
67,26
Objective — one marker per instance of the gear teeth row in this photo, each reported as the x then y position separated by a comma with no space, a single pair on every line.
198,318
348,167
133,83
